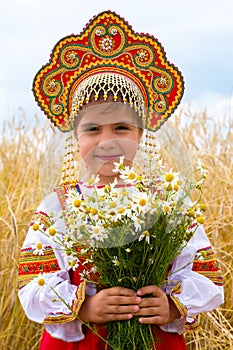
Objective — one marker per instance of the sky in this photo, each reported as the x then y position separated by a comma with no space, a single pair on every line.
196,35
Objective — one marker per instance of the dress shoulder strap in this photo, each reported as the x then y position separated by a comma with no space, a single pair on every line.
62,190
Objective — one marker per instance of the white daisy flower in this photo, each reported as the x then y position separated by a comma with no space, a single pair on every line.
85,275
119,166
146,235
40,280
137,223
93,180
74,200
36,225
201,167
98,234
166,207
73,263
93,270
140,202
51,231
116,261
38,248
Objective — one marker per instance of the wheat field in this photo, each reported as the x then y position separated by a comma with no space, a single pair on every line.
21,148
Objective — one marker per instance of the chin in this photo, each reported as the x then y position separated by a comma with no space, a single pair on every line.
107,173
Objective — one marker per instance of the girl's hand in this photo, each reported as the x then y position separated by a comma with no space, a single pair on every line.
111,304
156,309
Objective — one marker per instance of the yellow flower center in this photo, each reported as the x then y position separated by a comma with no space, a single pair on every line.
41,282
203,206
169,177
94,211
142,202
35,227
77,203
121,210
68,252
91,181
106,188
39,245
166,208
131,176
124,193
112,205
52,231
72,263
191,213
200,220
146,233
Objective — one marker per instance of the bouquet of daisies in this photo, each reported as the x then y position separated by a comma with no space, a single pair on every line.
128,233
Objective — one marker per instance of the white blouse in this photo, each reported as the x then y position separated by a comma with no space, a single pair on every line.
195,282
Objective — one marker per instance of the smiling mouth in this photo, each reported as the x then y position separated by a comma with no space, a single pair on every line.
109,157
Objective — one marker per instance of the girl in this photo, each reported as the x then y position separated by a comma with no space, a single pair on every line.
106,110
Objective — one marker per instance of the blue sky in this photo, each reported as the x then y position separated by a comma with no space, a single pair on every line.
197,36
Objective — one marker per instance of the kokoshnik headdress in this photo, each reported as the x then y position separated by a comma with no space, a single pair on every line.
108,57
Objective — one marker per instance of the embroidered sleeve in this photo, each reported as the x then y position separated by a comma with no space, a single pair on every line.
173,295
45,290
59,317
206,264
31,265
194,283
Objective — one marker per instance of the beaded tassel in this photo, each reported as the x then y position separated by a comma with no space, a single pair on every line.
68,176
150,144
106,83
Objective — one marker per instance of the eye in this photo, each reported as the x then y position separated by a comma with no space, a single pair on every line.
91,128
122,127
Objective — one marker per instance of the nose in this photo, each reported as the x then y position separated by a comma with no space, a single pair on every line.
107,139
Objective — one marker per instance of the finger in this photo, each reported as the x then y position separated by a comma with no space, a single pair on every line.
104,318
151,320
117,317
121,309
154,290
121,291
148,311
149,302
124,300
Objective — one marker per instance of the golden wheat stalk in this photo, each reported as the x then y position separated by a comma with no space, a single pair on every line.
21,148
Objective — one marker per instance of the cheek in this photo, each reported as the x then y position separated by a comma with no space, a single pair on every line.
130,148
85,146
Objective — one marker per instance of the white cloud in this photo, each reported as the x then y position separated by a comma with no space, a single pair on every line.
196,35
217,106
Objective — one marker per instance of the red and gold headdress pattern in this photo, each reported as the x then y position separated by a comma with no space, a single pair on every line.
108,52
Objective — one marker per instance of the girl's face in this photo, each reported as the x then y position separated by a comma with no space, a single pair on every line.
105,132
